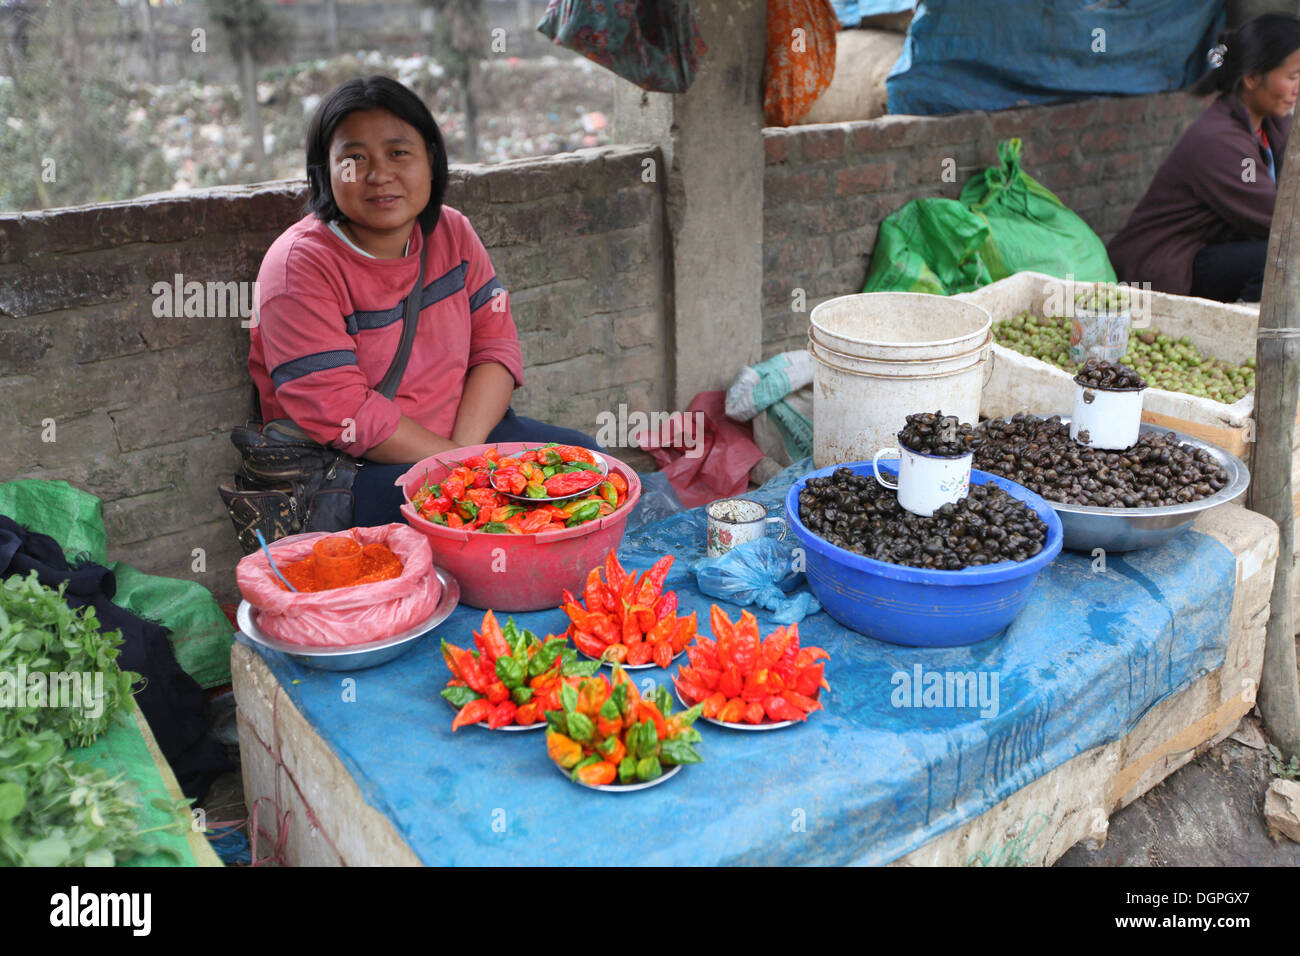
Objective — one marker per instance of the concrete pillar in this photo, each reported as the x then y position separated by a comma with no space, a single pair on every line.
712,141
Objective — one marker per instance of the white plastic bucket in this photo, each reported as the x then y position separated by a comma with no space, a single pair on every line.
1111,418
879,357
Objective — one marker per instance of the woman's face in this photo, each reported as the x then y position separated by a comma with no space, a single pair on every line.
381,174
1274,93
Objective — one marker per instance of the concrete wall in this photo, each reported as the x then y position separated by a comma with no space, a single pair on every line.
142,407
828,186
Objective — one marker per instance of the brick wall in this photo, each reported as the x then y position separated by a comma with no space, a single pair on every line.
142,406
827,187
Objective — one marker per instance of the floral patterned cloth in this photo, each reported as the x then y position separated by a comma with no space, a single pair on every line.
800,57
653,43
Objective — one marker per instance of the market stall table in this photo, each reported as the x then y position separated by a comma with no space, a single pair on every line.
1108,681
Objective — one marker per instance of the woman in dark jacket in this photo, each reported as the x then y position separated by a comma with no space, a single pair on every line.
1202,227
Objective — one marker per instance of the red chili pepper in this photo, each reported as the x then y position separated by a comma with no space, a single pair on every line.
648,711
472,713
575,453
641,653
778,708
614,573
689,689
809,679
502,714
527,714
684,633
714,703
617,653
594,592
731,683
588,644
663,653
666,605
645,617
754,713
662,632
570,482
732,712
492,636
806,704
535,522
497,692
652,584
631,631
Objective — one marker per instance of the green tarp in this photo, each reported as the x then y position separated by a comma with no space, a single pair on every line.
199,630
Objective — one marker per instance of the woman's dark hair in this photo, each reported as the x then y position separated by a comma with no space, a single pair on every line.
1257,46
373,92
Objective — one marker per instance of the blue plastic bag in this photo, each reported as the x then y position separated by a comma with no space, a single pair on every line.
758,572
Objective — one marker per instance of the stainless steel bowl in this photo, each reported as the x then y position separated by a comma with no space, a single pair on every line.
354,657
1131,529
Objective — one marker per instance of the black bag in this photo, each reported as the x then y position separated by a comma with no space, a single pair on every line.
289,483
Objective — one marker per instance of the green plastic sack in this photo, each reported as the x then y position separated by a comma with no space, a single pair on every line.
930,245
1030,230
200,633
1004,222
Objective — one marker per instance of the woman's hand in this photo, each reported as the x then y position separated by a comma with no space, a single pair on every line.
411,442
483,403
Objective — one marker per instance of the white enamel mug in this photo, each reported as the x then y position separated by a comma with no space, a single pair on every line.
733,521
926,482
1110,418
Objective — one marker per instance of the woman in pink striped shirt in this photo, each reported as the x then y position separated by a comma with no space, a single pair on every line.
332,289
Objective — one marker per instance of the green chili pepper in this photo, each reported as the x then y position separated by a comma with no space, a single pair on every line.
460,696
569,698
648,768
607,745
438,518
569,507
521,694
663,700
510,671
589,510
609,492
495,527
618,695
468,510
687,735
555,720
581,728
584,762
535,491
545,659
627,770
678,751
550,458
582,466
609,709
548,471
580,668
649,739
689,717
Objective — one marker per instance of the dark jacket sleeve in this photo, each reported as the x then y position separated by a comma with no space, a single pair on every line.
1229,175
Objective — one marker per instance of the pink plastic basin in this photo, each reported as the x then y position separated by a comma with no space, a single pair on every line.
516,572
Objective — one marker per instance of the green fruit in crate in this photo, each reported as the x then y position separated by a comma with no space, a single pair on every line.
1168,363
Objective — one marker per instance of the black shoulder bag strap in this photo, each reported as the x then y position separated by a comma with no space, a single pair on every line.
388,384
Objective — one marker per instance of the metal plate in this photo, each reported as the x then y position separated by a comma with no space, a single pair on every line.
506,729
355,656
630,667
600,460
1131,529
621,787
766,725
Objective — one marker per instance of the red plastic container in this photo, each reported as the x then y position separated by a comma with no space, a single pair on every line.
516,572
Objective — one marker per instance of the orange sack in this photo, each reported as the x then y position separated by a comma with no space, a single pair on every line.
800,57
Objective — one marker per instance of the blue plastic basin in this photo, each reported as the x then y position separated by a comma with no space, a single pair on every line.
916,606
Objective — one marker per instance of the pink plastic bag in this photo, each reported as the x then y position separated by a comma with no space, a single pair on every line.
717,465
342,616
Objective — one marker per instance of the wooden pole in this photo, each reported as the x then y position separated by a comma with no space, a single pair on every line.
1277,388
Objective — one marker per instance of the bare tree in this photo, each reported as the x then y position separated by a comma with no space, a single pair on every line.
459,43
252,34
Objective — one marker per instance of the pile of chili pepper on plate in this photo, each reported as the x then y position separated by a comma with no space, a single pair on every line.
629,620
602,732
736,678
467,499
512,678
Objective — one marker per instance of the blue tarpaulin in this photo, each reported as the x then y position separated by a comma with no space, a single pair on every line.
990,56
852,12
874,776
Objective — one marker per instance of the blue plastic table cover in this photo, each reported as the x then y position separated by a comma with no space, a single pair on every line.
874,776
